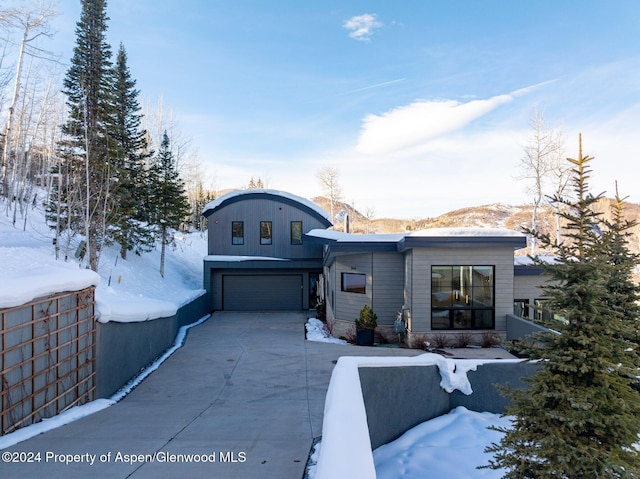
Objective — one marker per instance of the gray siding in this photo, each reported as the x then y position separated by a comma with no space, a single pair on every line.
348,305
252,211
423,259
388,286
528,287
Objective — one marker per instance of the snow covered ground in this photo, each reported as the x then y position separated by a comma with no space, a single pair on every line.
127,290
450,446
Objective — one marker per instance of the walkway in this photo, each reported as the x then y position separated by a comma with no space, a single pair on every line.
246,390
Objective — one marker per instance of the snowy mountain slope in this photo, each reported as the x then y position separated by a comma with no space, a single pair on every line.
127,290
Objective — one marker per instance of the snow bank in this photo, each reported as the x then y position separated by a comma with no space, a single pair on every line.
126,290
38,281
316,332
346,448
436,448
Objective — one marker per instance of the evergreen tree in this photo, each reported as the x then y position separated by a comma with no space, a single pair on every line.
170,203
88,86
623,293
580,414
130,226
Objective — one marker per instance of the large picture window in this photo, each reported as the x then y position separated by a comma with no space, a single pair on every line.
265,232
462,297
296,232
354,283
237,232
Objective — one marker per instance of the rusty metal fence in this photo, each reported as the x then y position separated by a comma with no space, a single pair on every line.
47,356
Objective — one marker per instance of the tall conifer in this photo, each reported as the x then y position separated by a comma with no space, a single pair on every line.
88,86
168,195
130,226
580,415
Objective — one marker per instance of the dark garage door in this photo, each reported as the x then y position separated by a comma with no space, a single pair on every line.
262,292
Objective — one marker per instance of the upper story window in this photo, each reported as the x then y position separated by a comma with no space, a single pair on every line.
296,232
266,232
237,232
354,283
462,297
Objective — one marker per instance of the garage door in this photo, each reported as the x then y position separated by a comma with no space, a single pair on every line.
262,292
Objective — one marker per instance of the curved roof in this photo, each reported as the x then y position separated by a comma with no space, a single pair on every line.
275,195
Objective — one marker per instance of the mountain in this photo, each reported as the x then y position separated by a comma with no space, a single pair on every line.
487,216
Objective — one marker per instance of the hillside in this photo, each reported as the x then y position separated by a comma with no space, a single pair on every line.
486,216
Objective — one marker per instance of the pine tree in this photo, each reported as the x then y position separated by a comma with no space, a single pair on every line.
623,293
88,86
129,225
170,203
580,414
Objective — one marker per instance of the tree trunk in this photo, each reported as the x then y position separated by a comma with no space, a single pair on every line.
163,242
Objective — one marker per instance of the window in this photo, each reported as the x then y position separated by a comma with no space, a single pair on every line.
462,297
296,232
265,232
354,283
237,232
521,308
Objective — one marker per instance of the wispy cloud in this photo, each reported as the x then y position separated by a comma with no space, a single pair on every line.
411,125
362,26
378,85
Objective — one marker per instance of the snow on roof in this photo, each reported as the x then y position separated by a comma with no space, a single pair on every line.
235,259
342,237
20,287
466,232
252,191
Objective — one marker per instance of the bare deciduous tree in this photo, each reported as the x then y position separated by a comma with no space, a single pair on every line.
33,22
540,154
328,177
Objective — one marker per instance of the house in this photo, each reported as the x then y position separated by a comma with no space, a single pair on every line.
259,258
443,280
270,250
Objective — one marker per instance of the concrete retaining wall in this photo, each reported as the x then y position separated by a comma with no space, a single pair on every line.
399,398
519,328
124,349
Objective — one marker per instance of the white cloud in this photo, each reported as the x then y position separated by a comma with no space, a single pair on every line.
415,124
362,26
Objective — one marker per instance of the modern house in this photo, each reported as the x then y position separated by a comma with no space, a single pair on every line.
443,280
270,250
259,259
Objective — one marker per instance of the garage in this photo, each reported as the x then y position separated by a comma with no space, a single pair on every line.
268,292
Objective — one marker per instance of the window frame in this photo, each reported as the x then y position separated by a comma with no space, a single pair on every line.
298,242
233,237
266,240
464,310
346,288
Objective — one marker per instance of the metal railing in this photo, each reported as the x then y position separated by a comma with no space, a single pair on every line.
47,355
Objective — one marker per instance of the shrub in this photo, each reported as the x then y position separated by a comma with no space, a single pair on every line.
439,340
463,339
368,319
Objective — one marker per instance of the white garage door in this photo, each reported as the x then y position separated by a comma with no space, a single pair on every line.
277,292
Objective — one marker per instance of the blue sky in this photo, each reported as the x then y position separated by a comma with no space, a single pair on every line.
423,106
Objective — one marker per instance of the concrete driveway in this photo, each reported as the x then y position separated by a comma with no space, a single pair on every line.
243,398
